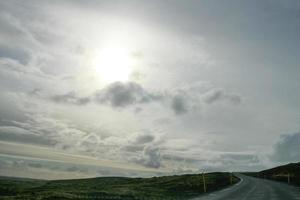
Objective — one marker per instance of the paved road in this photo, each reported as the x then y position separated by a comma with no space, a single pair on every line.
250,188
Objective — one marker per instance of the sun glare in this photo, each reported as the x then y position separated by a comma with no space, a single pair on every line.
113,64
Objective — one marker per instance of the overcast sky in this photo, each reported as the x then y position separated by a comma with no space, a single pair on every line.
143,88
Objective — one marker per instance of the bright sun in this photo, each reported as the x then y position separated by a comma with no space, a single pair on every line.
113,64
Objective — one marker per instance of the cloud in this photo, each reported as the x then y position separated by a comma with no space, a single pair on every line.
16,134
144,149
123,95
138,142
75,169
151,157
233,160
48,72
14,54
70,98
44,130
178,158
120,94
193,96
35,165
163,121
145,138
10,108
13,30
141,148
287,149
216,95
19,166
138,109
179,105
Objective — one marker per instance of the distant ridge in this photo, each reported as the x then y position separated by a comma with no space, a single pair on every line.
19,178
289,173
292,168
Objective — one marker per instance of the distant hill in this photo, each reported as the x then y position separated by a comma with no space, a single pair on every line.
285,173
165,187
19,178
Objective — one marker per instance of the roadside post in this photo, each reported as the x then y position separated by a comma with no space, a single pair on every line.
204,183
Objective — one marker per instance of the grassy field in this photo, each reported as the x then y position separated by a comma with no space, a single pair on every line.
166,187
284,173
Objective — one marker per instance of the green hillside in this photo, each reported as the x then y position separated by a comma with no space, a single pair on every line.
166,187
289,173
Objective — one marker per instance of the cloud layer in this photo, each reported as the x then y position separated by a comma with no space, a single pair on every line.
287,149
122,95
206,91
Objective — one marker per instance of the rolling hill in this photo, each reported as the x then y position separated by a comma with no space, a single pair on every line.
165,187
289,173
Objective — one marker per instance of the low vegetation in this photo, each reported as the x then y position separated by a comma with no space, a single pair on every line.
166,187
289,173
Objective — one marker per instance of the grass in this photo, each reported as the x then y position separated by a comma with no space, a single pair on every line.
166,187
280,173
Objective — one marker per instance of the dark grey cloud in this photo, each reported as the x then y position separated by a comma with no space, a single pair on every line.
146,138
70,98
16,134
287,149
138,143
117,94
216,95
120,94
144,149
151,157
179,105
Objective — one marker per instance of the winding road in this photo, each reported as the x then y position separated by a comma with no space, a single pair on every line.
250,188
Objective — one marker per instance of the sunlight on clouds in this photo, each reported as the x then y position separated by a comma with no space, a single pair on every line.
111,58
113,64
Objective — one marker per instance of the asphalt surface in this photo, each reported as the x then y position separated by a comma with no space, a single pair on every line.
250,188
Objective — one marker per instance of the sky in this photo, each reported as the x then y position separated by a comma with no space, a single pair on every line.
147,88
